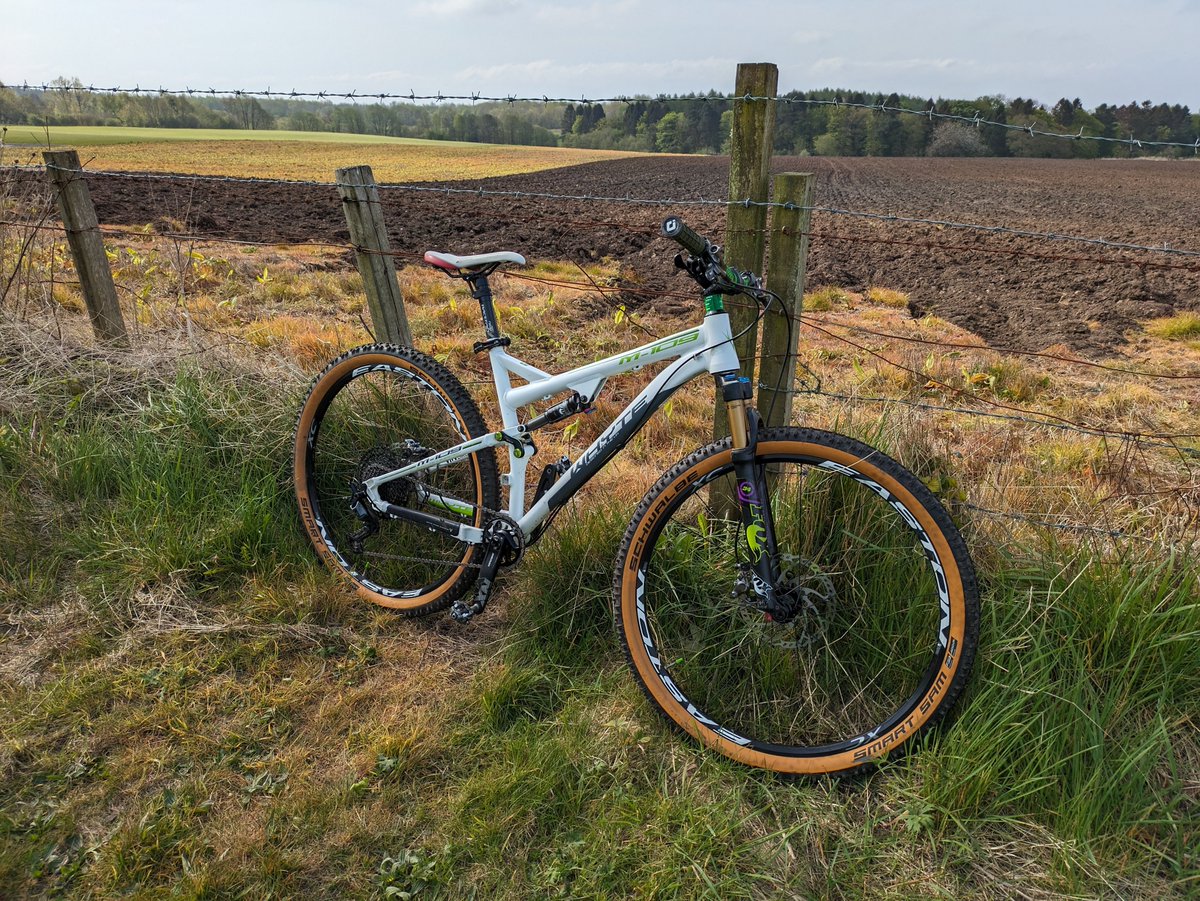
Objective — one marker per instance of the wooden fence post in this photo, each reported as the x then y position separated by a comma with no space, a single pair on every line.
364,215
87,246
785,276
749,166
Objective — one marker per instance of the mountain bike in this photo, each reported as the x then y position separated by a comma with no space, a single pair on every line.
789,597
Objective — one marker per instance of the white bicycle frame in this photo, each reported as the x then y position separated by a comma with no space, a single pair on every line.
706,348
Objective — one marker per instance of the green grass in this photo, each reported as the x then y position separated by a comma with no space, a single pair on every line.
292,155
1181,325
192,707
99,135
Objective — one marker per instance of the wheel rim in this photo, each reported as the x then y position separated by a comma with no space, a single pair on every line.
847,677
375,416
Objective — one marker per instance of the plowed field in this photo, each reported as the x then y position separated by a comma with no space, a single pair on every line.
1021,292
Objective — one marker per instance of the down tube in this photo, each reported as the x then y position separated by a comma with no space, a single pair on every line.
615,437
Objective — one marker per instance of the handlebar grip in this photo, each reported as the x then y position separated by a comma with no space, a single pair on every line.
673,227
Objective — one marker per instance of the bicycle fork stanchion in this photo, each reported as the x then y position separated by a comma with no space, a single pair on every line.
753,498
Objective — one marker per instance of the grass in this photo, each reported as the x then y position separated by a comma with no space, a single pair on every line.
298,155
193,707
103,135
1181,325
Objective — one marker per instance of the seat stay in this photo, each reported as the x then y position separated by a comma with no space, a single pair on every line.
436,461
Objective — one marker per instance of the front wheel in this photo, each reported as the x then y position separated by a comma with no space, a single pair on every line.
882,608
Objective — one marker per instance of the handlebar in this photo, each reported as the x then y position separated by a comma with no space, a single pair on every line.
673,227
705,264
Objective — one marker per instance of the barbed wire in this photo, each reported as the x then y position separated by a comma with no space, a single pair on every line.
1003,251
993,229
594,286
1062,426
1037,520
960,345
977,120
648,201
959,392
1040,520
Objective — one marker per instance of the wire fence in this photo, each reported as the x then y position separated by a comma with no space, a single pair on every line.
977,120
974,406
888,218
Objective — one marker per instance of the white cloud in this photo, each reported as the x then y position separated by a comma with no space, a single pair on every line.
575,14
810,37
444,8
840,65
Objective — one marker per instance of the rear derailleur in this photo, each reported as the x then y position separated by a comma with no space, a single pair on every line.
503,544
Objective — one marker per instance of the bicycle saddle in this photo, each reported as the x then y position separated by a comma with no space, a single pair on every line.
450,262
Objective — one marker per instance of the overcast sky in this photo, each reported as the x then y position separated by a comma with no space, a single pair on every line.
1097,50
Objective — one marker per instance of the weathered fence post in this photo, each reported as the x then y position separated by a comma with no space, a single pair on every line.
785,276
749,166
87,246
364,216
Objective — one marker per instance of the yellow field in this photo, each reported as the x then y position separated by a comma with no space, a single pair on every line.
316,158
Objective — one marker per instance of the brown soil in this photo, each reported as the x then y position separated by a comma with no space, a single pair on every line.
1087,302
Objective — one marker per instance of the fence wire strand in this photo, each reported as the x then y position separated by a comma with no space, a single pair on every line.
674,202
1011,414
932,114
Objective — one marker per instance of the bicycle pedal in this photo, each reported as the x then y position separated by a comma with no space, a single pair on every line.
462,613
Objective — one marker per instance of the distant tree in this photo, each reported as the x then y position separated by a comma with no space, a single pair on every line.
632,115
489,129
568,119
247,112
587,117
703,126
1064,112
885,134
11,112
994,136
306,121
669,133
956,139
825,145
726,130
347,119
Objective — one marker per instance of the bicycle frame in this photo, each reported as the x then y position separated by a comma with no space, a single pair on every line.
706,348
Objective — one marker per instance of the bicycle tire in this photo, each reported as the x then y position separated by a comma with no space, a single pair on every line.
885,607
371,410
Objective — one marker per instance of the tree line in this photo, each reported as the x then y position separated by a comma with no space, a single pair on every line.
693,123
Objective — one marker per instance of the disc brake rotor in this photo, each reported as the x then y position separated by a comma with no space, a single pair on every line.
807,593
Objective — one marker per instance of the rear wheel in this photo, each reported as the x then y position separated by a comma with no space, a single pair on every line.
882,606
371,411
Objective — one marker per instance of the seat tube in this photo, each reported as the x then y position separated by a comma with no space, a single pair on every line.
482,292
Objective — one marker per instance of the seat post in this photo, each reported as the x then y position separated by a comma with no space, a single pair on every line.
482,292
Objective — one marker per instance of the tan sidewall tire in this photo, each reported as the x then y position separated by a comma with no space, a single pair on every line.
330,378
627,598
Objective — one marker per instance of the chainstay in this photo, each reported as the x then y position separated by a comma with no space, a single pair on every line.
488,513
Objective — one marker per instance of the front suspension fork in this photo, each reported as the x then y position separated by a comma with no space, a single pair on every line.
753,497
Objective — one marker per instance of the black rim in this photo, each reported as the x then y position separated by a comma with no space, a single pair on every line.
454,569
